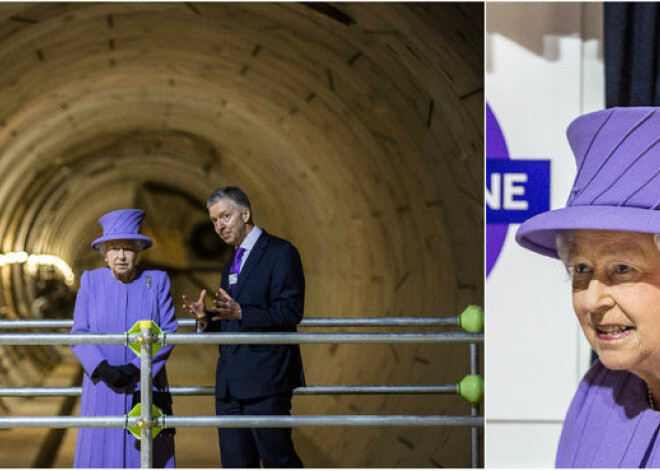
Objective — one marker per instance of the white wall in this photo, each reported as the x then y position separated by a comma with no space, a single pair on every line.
542,71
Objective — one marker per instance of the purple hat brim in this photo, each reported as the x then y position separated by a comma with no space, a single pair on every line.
539,234
100,240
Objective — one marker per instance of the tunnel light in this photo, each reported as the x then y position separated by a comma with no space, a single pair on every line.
16,257
33,261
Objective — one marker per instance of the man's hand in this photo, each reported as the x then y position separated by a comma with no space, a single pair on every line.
225,306
197,309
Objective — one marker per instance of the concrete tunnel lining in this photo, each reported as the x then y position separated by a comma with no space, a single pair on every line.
360,142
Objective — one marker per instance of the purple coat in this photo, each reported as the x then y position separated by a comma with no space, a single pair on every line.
105,305
610,424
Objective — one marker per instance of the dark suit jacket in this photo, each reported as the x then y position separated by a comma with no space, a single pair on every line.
271,292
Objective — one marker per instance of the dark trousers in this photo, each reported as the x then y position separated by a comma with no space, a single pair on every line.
246,447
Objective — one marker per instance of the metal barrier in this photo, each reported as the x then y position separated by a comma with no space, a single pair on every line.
210,390
240,339
314,322
145,334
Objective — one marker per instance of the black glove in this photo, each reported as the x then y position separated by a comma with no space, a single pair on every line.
129,370
113,375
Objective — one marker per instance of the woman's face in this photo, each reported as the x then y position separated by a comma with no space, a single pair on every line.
121,256
616,296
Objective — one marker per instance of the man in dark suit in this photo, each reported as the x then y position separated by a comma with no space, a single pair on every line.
262,290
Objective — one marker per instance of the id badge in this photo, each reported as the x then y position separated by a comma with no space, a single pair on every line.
233,278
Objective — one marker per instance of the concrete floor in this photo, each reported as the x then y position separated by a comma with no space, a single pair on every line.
21,447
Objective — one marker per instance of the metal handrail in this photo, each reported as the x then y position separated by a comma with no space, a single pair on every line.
243,338
330,337
101,421
246,421
210,390
319,420
309,322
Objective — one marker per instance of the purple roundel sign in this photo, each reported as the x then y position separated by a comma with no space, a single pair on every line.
516,189
495,149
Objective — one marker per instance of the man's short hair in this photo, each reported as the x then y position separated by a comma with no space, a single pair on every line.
233,194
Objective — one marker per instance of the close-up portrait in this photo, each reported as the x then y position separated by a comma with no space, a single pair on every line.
573,236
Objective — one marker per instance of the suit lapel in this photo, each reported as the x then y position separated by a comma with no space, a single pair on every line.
252,261
224,278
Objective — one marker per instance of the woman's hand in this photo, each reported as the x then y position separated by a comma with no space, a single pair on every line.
129,370
116,376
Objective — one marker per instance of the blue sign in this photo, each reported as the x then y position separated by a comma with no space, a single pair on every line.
516,190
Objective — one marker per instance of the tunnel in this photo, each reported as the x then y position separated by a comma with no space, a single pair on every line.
355,128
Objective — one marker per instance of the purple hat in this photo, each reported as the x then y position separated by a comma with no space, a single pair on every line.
120,225
617,186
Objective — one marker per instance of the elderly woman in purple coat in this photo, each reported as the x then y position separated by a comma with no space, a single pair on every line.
113,299
608,238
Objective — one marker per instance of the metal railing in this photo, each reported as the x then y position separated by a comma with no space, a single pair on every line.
242,338
146,334
313,322
210,390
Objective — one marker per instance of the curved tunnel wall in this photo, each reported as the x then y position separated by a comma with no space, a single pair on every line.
356,129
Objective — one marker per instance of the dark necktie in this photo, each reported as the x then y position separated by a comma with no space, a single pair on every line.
235,268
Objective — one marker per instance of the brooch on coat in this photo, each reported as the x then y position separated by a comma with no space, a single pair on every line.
148,282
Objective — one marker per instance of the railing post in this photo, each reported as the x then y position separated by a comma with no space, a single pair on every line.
474,408
472,320
146,442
